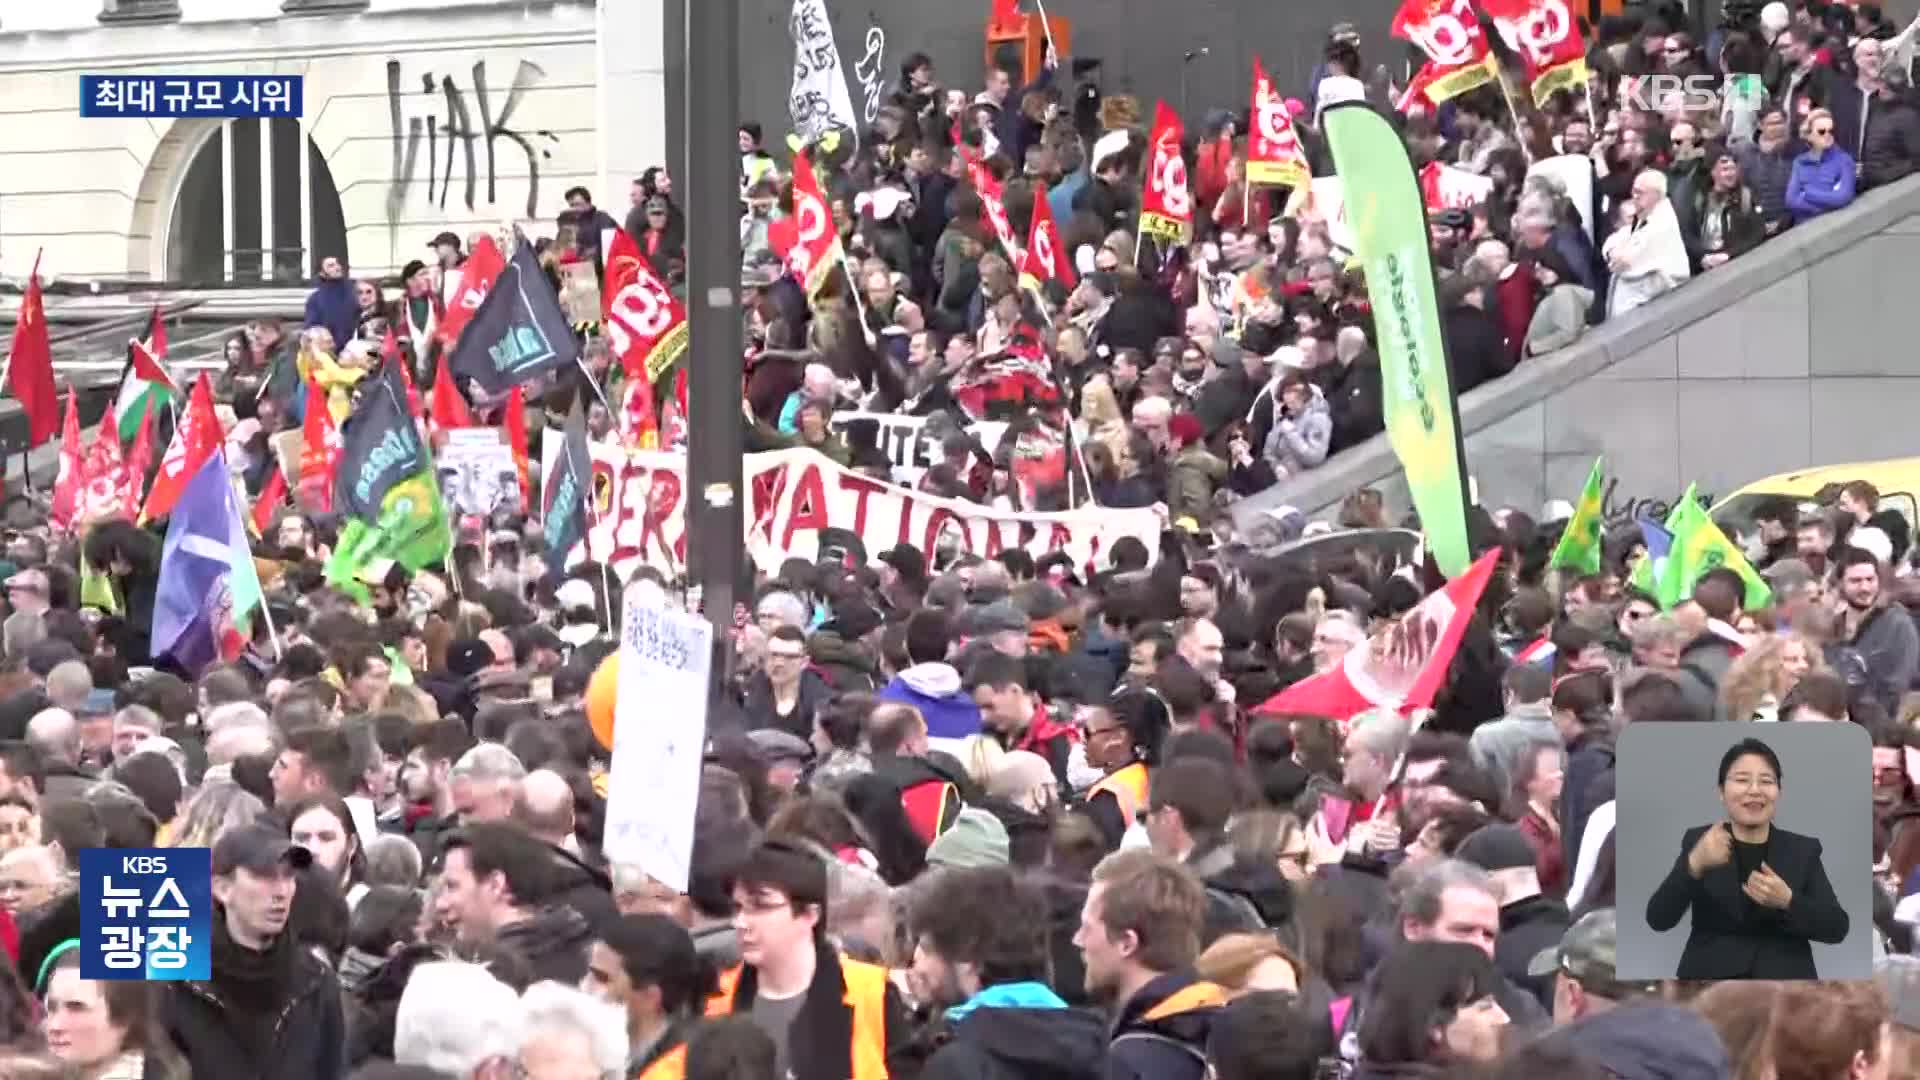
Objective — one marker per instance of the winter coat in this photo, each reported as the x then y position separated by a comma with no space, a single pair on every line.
1475,348
1010,1042
1195,475
1820,184
332,304
1740,222
1767,174
1891,148
1161,1032
309,1030
554,941
1355,400
1299,443
934,689
1655,255
1888,642
1559,319
763,713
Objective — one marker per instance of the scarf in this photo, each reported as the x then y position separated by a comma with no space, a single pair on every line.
1019,995
253,986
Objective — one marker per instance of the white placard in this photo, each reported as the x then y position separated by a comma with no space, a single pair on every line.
904,440
659,739
477,474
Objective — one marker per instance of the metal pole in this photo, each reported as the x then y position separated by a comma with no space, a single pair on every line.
716,537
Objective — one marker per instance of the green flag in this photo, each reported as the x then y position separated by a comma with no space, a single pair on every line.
1700,546
1579,547
412,530
1389,222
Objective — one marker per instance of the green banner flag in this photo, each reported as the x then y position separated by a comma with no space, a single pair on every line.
1700,546
1579,547
1389,222
412,530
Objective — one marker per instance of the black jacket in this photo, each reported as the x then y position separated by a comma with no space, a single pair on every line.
554,941
1733,937
1476,350
1161,1032
584,888
1891,149
309,1028
1020,1044
1526,927
762,712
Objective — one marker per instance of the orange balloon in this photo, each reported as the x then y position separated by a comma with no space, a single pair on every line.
602,691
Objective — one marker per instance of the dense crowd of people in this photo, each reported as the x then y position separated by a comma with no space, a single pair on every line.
1007,817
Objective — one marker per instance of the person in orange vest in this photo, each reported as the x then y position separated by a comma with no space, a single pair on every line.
647,965
830,1017
1123,735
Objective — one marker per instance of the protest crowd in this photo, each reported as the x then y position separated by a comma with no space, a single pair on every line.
1118,807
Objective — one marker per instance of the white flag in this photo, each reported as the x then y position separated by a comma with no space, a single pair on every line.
819,101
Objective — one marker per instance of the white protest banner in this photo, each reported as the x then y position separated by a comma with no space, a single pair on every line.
1448,187
1573,173
1325,200
639,513
476,470
905,442
659,737
818,101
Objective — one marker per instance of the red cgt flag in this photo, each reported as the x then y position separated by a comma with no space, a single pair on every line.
195,438
477,276
1274,155
138,458
1543,33
30,363
319,452
103,475
816,244
1046,258
66,485
993,198
1400,667
646,324
1458,57
1166,204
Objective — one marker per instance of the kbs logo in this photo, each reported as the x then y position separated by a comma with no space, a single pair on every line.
146,913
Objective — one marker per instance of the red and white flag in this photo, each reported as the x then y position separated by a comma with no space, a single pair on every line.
1274,154
477,275
1544,34
993,198
1046,258
1449,187
195,438
1402,666
1166,203
103,475
66,484
816,243
646,324
1458,56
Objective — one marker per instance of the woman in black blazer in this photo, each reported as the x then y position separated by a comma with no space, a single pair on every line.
1758,893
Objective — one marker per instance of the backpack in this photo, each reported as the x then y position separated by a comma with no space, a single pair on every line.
931,807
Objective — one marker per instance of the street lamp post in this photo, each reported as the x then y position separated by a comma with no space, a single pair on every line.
715,555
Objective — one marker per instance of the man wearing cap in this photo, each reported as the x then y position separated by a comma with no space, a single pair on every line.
1529,921
270,1008
1580,970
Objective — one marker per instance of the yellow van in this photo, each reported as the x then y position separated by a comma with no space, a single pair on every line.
1897,480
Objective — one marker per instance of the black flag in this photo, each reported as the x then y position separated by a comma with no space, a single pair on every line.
518,333
563,515
379,447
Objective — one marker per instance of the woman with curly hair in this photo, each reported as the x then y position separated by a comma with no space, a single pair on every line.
130,558
1761,678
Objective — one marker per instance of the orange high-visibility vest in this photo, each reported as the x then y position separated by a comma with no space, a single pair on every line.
1129,786
866,996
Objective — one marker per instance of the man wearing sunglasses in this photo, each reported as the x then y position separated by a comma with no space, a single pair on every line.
1823,175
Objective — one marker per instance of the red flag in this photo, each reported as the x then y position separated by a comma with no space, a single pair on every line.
390,353
1543,33
449,409
639,422
102,474
319,452
1046,258
195,437
816,244
30,365
66,485
149,356
1400,667
268,504
477,276
1166,206
646,324
1004,16
138,458
517,440
1446,187
1458,57
993,197
1274,155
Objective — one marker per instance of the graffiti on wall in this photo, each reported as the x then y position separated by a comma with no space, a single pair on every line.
871,72
457,125
1617,509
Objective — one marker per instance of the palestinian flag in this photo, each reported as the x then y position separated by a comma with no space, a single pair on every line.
145,385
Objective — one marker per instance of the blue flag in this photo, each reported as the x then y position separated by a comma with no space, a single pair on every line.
1646,573
208,588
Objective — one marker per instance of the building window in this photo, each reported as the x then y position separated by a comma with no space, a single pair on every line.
254,209
139,11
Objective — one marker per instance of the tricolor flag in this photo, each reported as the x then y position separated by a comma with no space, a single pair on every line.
145,385
1541,652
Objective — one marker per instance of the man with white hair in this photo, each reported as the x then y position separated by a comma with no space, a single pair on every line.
485,782
1646,253
458,1020
131,726
816,384
55,735
68,685
571,1035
